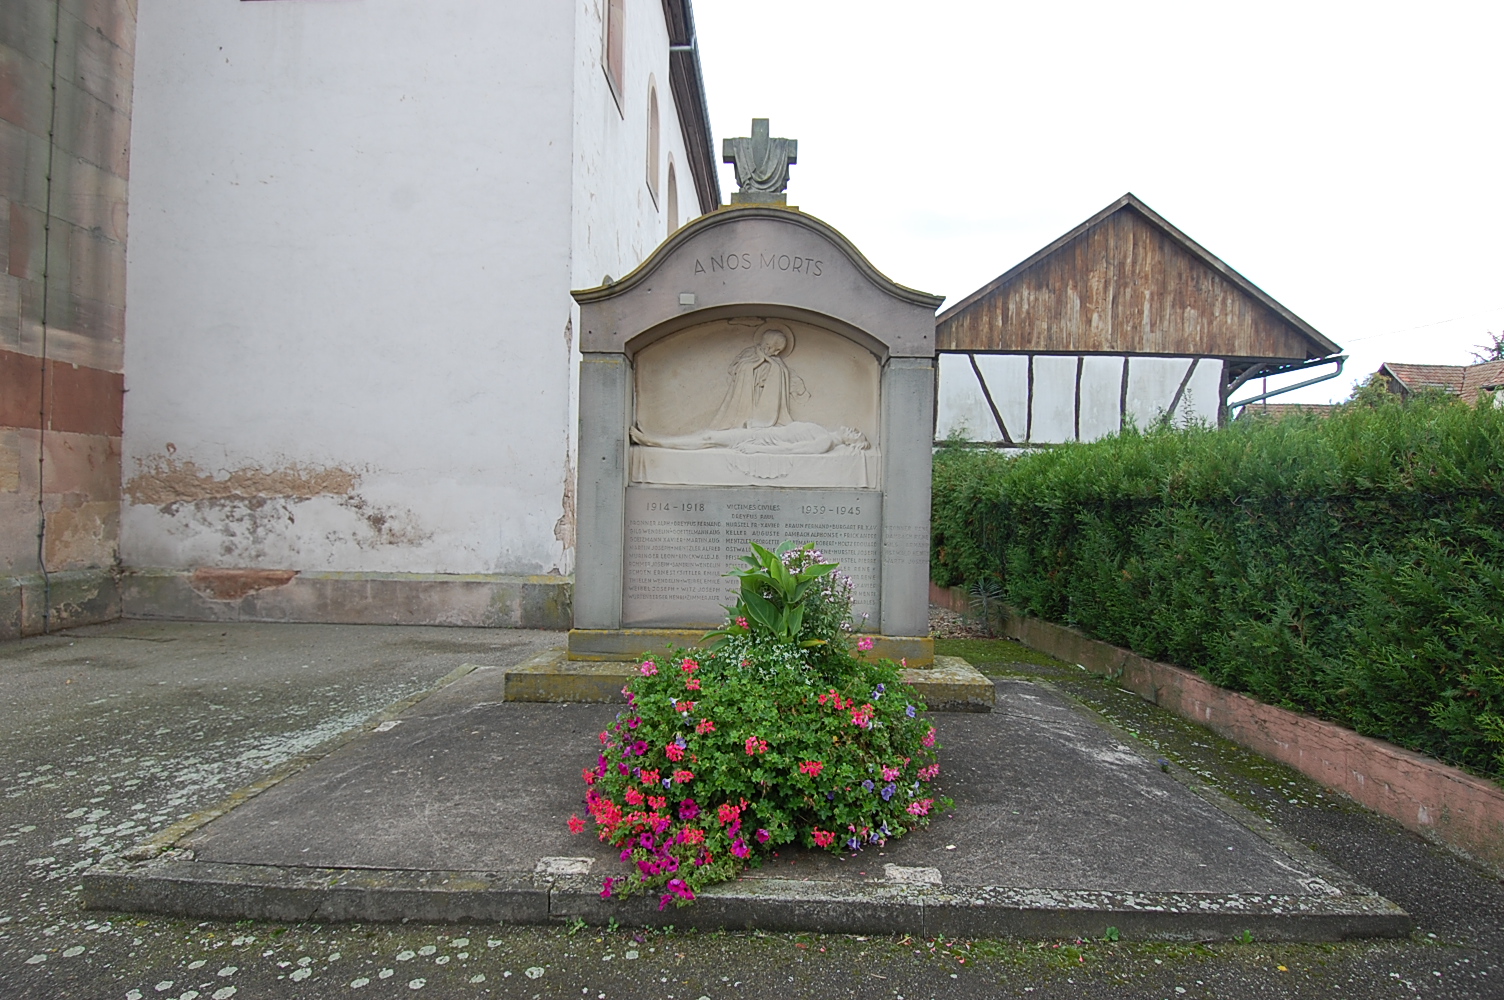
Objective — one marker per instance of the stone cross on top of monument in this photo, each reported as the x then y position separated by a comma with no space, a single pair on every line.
762,165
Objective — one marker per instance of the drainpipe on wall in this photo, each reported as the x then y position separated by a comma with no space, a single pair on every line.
57,18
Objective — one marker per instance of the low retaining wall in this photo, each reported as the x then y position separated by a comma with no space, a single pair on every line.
1423,794
66,599
259,595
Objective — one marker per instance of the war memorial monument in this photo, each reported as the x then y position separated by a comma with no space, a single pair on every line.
756,379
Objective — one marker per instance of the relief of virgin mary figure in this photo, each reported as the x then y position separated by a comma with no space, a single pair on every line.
760,384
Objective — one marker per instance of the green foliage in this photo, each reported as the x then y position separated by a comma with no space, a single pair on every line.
1352,567
1492,349
776,735
776,590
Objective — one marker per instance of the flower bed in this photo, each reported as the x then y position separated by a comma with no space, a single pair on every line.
778,734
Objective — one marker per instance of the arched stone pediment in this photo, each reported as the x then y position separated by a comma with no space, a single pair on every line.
780,261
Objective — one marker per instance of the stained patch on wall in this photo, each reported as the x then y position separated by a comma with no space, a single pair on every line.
166,481
255,510
388,526
233,584
10,469
564,526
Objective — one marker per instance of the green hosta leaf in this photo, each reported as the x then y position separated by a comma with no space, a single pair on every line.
762,610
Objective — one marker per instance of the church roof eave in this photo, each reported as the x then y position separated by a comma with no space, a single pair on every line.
687,84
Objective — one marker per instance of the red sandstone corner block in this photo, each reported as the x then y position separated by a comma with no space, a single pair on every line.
1417,791
79,400
233,584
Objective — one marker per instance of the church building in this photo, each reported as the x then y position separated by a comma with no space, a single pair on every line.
287,332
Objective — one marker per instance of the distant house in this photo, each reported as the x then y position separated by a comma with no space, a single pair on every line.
1463,381
1124,319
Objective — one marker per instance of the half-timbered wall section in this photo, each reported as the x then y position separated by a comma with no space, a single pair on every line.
1123,285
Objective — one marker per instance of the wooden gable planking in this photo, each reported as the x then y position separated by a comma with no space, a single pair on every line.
1127,282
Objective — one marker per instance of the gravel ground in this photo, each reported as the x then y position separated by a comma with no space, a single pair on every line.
109,734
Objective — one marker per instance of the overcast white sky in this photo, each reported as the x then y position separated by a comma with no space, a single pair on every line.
1345,157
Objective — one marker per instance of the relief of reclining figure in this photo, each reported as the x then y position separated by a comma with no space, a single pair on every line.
754,418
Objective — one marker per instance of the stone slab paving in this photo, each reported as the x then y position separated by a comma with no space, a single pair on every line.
456,810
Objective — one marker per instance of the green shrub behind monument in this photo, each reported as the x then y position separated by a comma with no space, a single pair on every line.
1351,566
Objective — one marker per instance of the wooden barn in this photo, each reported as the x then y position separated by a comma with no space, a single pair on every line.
1124,318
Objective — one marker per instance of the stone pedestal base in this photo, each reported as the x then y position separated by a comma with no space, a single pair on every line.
947,684
608,644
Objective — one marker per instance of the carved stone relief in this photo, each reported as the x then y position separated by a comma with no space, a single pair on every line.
756,402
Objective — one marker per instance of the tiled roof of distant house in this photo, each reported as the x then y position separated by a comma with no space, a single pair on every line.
1464,381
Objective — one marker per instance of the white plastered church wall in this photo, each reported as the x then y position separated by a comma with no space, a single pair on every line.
615,222
354,234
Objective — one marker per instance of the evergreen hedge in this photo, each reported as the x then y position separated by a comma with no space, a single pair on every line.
1350,566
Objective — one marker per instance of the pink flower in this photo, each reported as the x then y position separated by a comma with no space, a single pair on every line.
920,807
657,801
606,888
693,684
763,836
929,738
605,738
649,777
675,752
756,745
649,668
633,797
576,825
588,775
865,644
739,848
928,773
824,838
705,726
812,768
891,773
689,666
684,707
688,809
741,622
683,777
727,812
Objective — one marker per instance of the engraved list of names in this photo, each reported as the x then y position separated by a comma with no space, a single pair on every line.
681,540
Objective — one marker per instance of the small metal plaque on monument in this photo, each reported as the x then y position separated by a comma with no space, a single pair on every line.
755,379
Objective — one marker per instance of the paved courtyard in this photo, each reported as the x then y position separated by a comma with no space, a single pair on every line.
111,734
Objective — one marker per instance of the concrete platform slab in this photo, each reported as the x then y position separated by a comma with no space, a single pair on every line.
457,812
627,644
950,684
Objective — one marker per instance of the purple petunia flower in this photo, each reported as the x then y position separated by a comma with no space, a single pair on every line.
688,809
910,712
868,785
887,792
